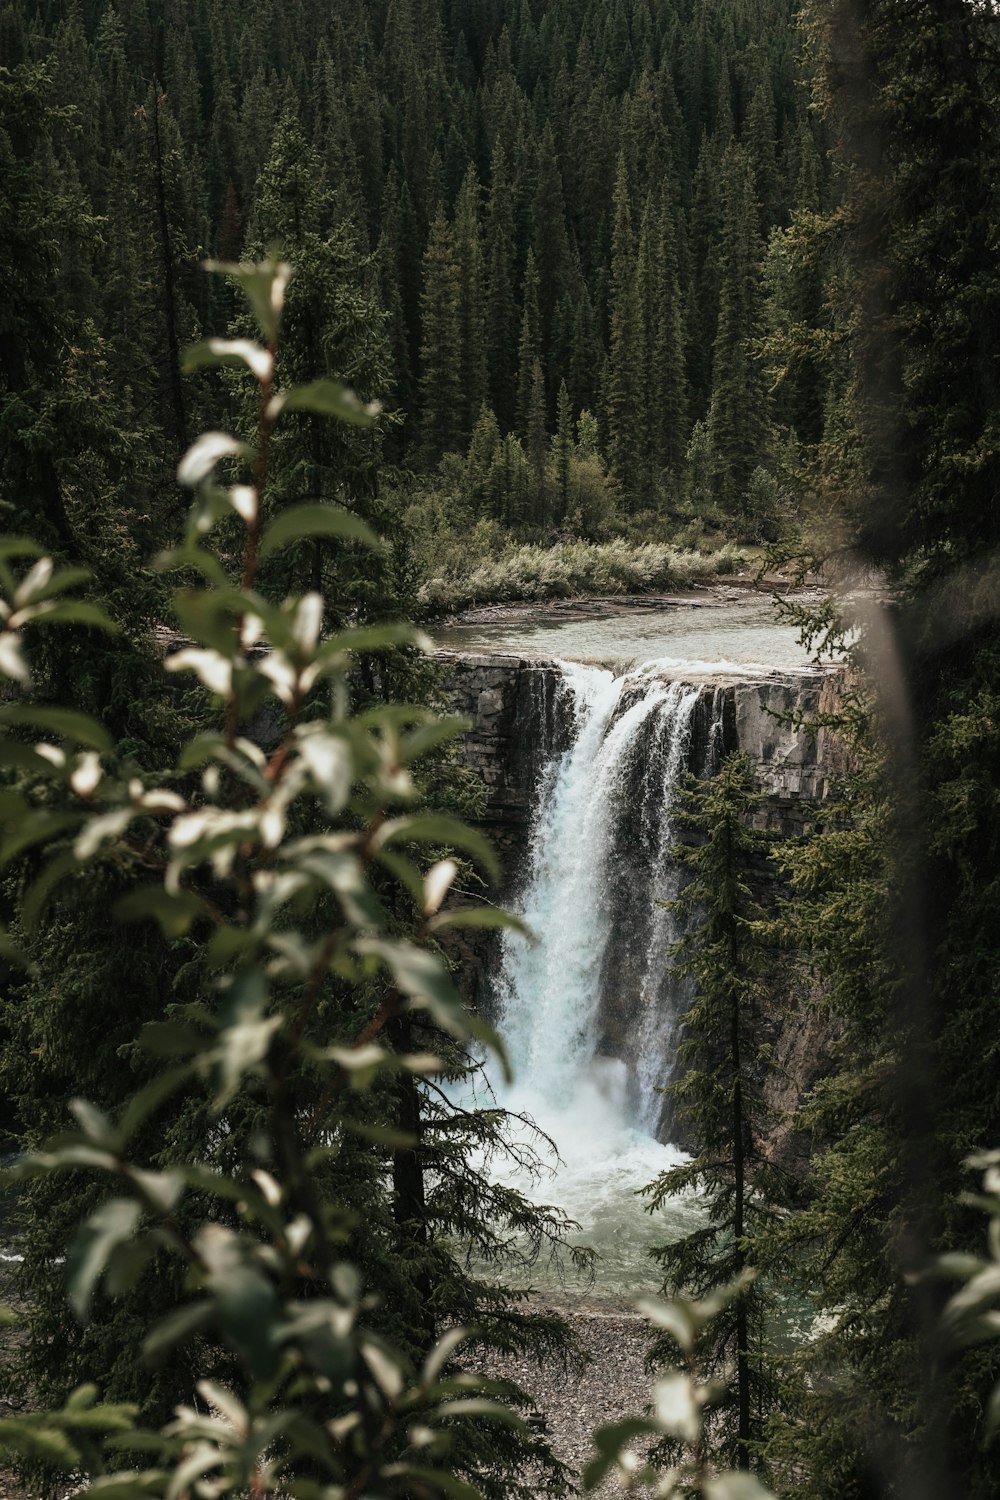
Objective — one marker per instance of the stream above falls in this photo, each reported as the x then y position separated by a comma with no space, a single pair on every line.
708,633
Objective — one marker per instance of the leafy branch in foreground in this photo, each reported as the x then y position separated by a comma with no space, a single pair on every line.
277,862
678,1416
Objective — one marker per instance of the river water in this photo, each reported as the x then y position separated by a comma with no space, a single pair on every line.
712,637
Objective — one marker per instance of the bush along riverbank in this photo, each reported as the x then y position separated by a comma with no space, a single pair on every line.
568,569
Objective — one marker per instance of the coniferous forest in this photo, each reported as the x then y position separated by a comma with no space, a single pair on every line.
319,321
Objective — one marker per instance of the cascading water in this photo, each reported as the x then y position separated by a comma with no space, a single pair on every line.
588,1010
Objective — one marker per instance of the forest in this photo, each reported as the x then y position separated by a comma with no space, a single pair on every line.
321,327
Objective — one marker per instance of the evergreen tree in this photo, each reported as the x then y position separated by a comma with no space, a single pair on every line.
550,241
627,393
738,416
333,328
562,453
501,330
469,263
529,345
537,444
719,1096
668,398
703,300
440,347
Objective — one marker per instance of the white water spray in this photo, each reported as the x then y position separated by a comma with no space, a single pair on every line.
598,862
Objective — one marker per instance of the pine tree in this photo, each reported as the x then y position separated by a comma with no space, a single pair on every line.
703,302
627,393
719,1095
537,445
550,241
529,349
333,328
668,397
738,415
441,397
562,453
468,243
501,312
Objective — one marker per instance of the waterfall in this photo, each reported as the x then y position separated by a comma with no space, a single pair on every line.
588,1010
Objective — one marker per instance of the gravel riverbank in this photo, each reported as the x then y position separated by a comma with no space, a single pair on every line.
614,1384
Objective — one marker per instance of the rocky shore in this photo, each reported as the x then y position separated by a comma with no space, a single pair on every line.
571,1402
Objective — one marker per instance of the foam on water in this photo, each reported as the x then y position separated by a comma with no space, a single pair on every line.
600,1114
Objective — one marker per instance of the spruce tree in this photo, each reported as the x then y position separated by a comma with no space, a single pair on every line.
537,445
562,453
738,413
668,395
627,393
440,347
529,348
501,329
723,1063
472,309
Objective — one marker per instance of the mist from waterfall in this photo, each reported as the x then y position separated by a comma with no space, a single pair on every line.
588,1009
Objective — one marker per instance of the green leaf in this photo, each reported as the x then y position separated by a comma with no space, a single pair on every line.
11,952
676,1405
246,1035
440,1480
149,1098
126,1264
110,1225
315,520
246,1302
80,612
675,1317
203,455
329,398
37,828
198,560
170,1039
19,546
263,284
175,1328
174,911
993,1414
442,1352
735,1486
216,352
79,728
480,1406
427,737
610,1441
95,1124
38,893
439,828
479,916
405,871
374,638
37,1436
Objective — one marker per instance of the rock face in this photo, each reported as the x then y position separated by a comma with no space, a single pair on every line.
520,718
513,705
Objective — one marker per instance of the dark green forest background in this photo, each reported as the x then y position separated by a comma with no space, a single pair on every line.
546,237
664,271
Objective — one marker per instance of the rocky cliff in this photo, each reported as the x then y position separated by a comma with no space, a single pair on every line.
519,718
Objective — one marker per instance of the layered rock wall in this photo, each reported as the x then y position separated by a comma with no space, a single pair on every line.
513,707
518,718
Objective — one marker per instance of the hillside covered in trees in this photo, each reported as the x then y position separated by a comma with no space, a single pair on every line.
550,239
